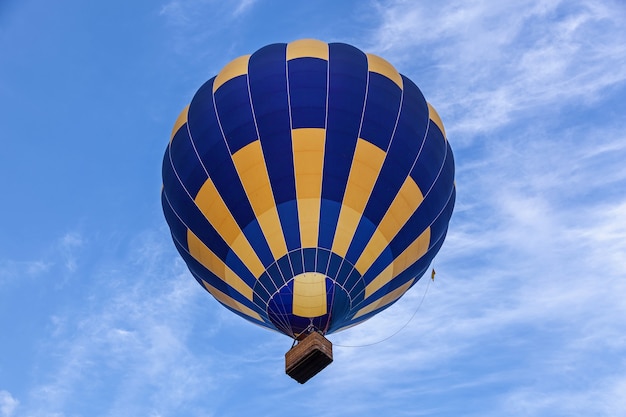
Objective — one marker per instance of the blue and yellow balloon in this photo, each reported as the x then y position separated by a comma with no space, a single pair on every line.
308,186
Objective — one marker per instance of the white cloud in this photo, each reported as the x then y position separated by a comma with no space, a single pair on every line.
134,327
69,244
13,270
524,315
174,11
65,248
183,12
529,289
8,404
197,24
244,6
487,61
604,399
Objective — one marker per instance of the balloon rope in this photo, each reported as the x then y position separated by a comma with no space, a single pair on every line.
397,331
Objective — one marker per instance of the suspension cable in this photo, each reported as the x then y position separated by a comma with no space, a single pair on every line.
397,331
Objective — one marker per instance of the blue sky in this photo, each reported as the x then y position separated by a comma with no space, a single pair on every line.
99,316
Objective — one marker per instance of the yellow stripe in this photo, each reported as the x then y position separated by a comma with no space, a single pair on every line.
250,164
346,226
307,48
235,68
378,282
210,261
368,159
309,295
412,253
382,67
308,158
434,116
386,300
180,121
408,257
227,300
402,207
210,202
374,248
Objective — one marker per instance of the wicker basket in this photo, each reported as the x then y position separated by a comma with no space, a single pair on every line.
308,357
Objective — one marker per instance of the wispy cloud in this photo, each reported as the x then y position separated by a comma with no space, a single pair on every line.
11,270
183,12
489,61
244,6
529,289
68,246
8,404
196,24
524,317
63,252
128,339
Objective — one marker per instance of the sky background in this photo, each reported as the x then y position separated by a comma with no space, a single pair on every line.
526,316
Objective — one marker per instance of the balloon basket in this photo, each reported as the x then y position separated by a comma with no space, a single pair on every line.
308,357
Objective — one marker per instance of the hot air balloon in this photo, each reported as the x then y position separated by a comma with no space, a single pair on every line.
308,186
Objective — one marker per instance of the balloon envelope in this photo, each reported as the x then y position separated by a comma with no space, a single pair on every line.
308,186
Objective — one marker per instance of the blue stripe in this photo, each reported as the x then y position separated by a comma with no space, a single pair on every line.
263,289
209,142
381,110
333,265
271,279
440,225
344,272
405,146
416,270
307,92
199,226
432,205
199,270
382,262
267,71
364,232
354,283
288,215
177,228
435,217
185,161
346,97
232,102
268,87
280,311
428,167
321,265
179,235
201,115
417,117
431,159
340,309
285,267
195,220
297,262
276,276
309,259
328,223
